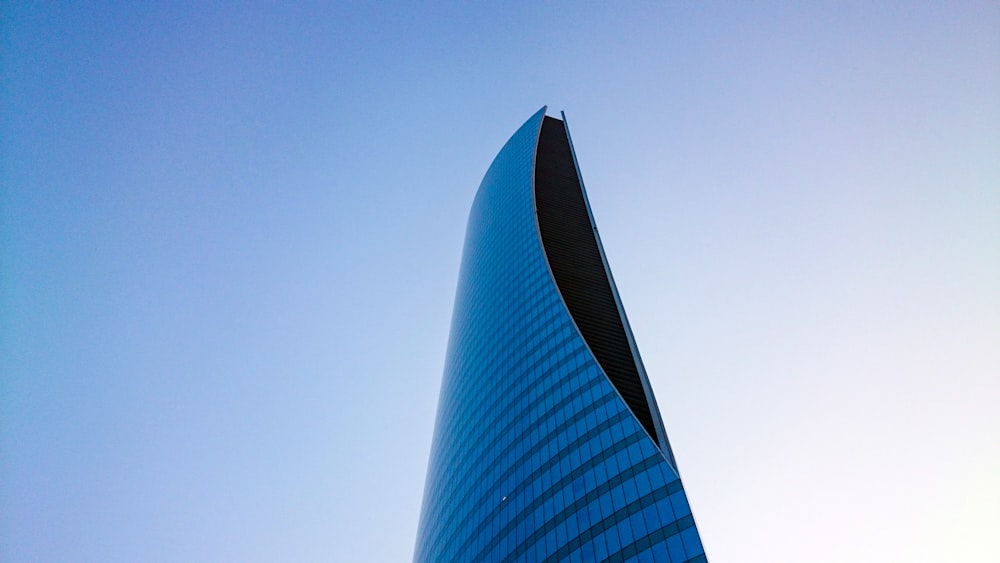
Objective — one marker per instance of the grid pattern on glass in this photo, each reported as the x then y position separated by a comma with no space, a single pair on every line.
536,456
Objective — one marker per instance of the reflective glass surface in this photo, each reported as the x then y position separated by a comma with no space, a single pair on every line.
535,455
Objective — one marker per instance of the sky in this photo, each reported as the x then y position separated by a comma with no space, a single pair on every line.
230,236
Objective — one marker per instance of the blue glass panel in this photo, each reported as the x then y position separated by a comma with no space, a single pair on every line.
676,549
692,543
679,503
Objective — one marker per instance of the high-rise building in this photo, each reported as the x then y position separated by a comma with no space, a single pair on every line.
548,444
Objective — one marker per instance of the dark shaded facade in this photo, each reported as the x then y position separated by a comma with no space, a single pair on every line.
548,444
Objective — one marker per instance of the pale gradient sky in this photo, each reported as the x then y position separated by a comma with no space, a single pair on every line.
231,237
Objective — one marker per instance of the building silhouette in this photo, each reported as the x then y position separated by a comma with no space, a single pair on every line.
548,444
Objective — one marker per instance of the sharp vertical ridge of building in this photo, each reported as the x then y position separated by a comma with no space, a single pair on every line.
575,257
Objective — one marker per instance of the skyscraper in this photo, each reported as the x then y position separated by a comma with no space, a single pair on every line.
548,444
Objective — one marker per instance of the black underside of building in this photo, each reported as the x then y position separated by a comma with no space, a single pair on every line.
572,250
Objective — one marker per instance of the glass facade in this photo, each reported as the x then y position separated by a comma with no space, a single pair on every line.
536,454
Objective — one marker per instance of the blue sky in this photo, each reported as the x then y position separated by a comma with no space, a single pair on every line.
231,234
